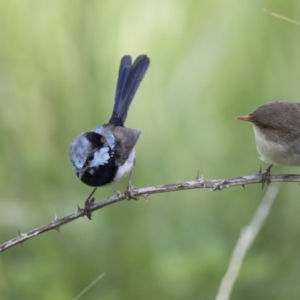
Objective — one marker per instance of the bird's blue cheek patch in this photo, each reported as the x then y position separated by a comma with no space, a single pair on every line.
79,150
101,157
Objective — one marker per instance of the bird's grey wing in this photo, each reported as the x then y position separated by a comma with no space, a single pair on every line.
120,139
125,140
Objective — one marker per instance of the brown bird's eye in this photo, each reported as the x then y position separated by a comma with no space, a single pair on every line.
266,126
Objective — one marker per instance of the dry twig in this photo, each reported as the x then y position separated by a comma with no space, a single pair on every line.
199,183
245,241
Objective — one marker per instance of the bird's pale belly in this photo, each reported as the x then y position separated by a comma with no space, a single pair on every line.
126,167
275,152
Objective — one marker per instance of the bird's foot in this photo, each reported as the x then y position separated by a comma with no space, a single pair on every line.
88,203
265,175
130,192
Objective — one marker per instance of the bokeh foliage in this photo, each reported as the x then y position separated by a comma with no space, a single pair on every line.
210,62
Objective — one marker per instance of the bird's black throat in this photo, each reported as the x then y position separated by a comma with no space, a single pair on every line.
102,174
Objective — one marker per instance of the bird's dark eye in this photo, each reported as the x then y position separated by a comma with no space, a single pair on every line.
88,160
266,126
90,157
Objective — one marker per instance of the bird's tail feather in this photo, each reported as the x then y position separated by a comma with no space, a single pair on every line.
130,77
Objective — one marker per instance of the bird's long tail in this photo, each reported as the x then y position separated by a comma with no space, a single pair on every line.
130,77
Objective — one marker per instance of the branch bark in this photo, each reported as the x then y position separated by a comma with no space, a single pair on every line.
198,183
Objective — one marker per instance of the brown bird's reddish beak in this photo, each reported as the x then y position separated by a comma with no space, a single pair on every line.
246,118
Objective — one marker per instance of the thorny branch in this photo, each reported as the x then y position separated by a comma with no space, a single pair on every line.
198,183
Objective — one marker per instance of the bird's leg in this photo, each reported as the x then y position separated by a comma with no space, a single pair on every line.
265,175
90,200
130,188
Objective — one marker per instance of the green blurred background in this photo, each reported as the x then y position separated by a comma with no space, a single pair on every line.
210,62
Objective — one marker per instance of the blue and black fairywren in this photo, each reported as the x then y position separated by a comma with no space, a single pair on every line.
105,154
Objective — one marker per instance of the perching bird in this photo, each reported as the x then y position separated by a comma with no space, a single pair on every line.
105,154
276,128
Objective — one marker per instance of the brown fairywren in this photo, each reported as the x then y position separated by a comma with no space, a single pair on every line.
276,128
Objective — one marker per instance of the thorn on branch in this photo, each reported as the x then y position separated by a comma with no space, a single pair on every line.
20,235
119,193
219,186
145,196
